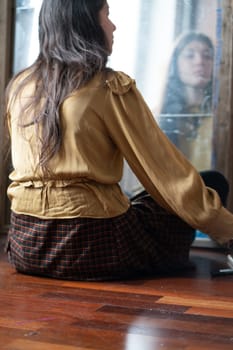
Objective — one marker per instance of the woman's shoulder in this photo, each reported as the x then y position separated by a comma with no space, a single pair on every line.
17,80
22,75
119,82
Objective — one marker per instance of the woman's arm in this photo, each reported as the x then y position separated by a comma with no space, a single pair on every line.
164,172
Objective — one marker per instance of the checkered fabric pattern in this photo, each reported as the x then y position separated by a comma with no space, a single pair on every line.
145,240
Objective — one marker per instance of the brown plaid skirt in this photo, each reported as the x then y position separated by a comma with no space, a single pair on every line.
145,240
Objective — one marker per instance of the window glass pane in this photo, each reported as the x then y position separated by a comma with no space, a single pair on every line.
26,33
142,42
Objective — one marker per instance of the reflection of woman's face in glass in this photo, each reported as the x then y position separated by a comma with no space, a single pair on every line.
195,64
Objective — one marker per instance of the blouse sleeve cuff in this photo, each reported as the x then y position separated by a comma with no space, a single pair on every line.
220,228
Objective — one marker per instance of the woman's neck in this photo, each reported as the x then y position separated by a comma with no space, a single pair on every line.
194,96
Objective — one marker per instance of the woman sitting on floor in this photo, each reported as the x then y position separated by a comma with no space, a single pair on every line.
72,120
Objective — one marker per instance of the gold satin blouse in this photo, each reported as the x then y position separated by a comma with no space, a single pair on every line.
101,123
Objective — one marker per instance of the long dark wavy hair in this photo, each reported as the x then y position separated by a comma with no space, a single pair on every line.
73,48
174,101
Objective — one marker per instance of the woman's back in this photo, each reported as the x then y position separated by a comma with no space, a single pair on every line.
87,167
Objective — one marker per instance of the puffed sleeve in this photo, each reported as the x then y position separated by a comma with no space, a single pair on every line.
162,169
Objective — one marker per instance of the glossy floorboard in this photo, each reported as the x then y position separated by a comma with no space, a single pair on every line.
190,312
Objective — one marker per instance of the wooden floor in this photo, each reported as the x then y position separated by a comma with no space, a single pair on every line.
191,312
